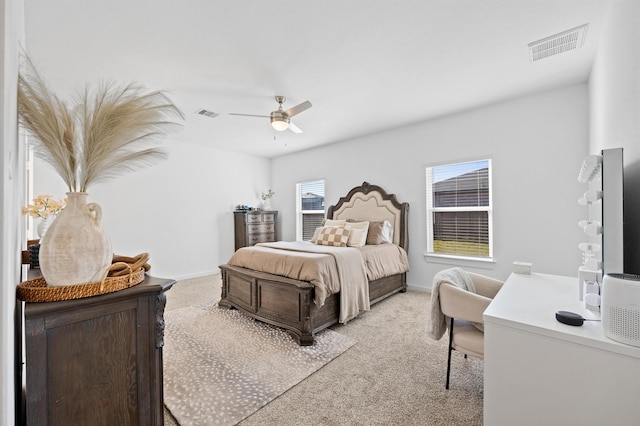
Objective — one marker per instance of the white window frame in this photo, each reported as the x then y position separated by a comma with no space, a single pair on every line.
454,258
299,212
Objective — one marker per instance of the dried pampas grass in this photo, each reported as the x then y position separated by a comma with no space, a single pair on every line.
110,131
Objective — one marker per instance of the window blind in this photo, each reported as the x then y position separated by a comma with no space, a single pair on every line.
310,208
459,209
310,221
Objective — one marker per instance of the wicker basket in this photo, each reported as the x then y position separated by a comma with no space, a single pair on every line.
124,274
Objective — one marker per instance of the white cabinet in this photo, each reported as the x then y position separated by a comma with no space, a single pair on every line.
538,371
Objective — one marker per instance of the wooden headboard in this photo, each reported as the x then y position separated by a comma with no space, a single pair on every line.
371,202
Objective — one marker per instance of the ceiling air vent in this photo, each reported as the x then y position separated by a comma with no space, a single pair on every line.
565,41
207,113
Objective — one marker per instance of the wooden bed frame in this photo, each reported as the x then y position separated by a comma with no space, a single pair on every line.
288,303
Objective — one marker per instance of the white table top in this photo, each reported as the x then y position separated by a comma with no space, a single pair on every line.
529,303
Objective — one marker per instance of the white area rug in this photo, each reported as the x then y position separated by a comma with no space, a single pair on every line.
221,366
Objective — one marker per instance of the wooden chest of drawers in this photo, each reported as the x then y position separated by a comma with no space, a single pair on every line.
97,360
254,227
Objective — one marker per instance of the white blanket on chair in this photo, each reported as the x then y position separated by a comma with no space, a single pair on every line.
454,276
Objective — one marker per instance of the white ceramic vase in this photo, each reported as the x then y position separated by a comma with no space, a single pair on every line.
75,249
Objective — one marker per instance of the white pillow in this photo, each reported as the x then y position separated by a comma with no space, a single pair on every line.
334,222
387,232
316,233
358,235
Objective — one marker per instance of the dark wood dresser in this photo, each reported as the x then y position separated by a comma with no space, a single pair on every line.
97,360
255,226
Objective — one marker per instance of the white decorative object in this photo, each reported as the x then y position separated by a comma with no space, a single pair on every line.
266,199
45,208
75,249
44,224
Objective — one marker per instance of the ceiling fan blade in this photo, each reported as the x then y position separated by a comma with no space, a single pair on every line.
294,128
298,109
249,115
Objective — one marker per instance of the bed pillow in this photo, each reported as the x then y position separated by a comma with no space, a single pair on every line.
358,235
333,222
315,235
336,236
327,223
380,233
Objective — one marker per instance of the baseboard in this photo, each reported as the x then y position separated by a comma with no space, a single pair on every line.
418,287
197,275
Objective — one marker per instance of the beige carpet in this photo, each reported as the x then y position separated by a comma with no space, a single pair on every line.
220,366
393,375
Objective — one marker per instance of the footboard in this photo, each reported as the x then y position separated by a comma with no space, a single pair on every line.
280,301
288,303
384,287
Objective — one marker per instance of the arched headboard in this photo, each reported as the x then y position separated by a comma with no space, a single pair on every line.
372,203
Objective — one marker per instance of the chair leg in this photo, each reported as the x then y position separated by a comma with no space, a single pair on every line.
450,349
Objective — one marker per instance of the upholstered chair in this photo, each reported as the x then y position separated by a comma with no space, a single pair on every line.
463,311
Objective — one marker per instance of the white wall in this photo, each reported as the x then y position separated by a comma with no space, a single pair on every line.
614,92
537,144
179,211
11,199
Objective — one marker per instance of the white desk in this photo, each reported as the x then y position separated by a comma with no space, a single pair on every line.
538,371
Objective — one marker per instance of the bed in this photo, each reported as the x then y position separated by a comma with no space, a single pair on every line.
299,305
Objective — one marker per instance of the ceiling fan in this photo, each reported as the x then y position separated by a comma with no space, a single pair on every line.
281,120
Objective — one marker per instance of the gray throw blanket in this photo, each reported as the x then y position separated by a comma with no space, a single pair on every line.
455,276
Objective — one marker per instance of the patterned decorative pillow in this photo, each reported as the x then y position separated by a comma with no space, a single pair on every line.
336,236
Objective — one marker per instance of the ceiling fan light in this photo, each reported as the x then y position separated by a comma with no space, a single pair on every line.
279,125
279,121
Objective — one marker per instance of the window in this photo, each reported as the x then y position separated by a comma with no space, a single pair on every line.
309,208
459,215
